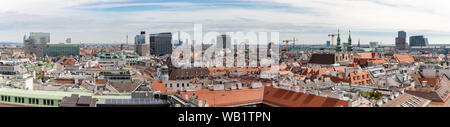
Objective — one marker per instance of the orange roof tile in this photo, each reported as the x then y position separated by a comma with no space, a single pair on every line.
65,81
404,58
378,61
227,98
101,81
159,86
280,97
367,55
69,62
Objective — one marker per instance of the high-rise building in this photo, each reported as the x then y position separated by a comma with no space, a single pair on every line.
359,43
224,42
141,48
35,43
418,41
161,44
328,44
400,41
140,39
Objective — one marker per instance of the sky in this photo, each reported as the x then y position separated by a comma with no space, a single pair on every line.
309,21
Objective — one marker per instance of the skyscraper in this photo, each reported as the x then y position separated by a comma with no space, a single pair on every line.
140,47
161,44
359,43
223,41
419,40
35,43
400,41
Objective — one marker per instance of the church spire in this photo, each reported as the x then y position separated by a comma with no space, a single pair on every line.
349,45
349,37
338,46
339,38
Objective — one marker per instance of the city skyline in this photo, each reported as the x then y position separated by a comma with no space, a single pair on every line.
109,21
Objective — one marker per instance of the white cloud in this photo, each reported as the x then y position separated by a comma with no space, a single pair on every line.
311,19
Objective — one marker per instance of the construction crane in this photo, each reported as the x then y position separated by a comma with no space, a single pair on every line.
287,43
332,40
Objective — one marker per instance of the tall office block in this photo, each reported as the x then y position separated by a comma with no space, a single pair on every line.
400,41
35,43
224,42
161,44
141,48
418,41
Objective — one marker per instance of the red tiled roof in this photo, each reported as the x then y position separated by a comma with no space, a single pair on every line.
227,98
65,81
159,86
378,61
101,81
96,67
430,81
280,97
69,62
367,55
404,58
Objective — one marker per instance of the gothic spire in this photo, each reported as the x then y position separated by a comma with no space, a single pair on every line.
349,37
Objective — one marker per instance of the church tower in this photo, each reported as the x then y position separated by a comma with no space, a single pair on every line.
338,45
349,46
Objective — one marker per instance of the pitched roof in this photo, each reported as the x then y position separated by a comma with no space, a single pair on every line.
159,86
65,81
189,73
367,55
69,62
227,98
127,86
285,98
101,81
378,61
322,59
404,58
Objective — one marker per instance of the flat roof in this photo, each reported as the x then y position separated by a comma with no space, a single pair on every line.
55,94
